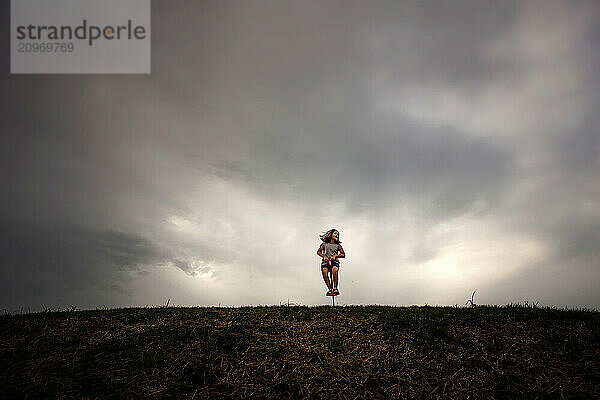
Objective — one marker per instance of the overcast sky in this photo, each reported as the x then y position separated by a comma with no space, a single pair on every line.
454,145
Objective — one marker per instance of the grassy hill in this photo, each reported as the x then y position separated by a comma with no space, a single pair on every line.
302,352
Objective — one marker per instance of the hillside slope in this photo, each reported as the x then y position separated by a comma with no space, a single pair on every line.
302,352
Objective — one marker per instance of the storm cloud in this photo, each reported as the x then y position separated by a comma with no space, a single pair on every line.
455,146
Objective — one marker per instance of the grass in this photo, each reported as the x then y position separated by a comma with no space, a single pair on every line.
484,352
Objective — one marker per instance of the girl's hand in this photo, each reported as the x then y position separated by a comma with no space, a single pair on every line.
333,258
325,258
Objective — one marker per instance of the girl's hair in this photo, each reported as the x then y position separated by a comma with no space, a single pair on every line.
326,237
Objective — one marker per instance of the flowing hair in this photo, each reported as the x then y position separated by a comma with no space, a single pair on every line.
326,236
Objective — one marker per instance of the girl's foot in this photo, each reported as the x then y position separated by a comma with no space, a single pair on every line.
335,292
329,292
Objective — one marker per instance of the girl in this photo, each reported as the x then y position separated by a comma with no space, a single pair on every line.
329,251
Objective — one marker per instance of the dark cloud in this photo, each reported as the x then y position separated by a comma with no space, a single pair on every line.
261,114
66,264
439,169
577,237
580,149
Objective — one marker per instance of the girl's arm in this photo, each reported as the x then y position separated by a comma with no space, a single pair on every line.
320,254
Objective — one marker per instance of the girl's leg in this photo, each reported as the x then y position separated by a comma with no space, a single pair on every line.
335,276
326,277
